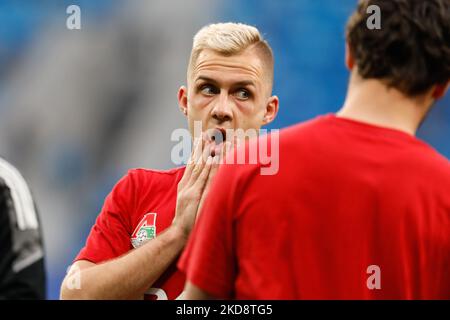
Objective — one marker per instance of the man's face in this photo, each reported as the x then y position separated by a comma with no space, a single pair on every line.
228,92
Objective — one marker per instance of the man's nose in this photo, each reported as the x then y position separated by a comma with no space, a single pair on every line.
222,110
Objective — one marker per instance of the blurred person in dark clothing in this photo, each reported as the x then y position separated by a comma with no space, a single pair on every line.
22,274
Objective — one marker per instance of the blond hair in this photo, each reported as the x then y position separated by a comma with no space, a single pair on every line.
229,39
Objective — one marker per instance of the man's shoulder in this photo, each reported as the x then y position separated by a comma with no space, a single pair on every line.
14,187
424,158
145,173
310,126
8,170
11,178
151,179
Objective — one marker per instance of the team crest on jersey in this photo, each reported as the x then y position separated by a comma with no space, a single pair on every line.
145,230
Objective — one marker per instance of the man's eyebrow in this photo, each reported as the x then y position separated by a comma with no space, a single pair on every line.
244,83
206,79
237,84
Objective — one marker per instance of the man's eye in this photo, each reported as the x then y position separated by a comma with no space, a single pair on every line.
208,90
242,94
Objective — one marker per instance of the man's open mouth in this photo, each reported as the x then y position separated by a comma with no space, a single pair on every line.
219,135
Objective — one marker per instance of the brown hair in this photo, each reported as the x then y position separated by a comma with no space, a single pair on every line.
411,51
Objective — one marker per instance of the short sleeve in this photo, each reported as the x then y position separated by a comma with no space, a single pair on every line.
110,236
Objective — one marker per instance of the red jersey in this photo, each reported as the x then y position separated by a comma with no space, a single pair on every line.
356,211
140,206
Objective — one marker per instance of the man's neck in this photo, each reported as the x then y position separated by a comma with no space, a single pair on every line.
370,101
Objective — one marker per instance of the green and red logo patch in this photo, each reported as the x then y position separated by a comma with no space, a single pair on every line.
145,230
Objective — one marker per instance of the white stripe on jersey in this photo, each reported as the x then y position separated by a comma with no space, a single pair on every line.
28,260
21,195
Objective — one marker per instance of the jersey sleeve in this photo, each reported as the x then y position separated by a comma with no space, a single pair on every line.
110,236
208,260
22,274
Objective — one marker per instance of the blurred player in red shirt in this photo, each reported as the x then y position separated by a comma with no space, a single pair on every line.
133,247
360,208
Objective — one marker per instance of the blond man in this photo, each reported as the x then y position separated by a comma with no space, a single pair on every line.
134,246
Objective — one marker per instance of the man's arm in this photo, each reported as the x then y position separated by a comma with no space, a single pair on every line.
129,276
193,292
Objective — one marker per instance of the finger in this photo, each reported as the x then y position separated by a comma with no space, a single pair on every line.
228,148
225,149
196,149
207,187
203,177
196,154
199,166
200,182
212,172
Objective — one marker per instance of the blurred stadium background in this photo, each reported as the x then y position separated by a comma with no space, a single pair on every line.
80,107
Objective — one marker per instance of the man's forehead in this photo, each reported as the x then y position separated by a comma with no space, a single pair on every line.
246,62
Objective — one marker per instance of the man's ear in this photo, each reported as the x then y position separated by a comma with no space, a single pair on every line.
349,60
182,100
440,90
271,110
